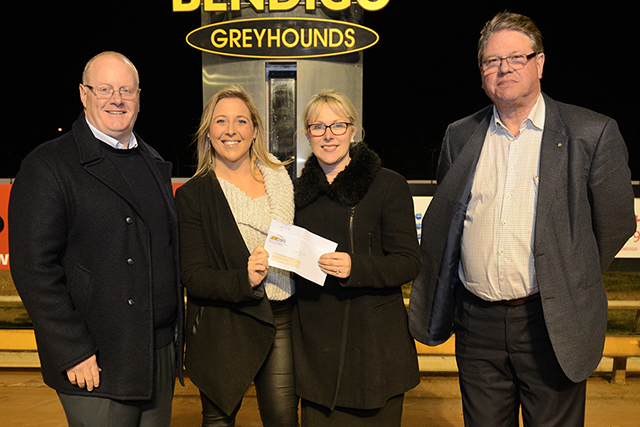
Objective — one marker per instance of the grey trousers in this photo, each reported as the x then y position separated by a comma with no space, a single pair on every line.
90,411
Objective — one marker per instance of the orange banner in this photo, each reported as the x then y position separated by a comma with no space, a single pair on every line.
5,189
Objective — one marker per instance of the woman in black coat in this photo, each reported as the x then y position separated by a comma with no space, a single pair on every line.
354,357
238,309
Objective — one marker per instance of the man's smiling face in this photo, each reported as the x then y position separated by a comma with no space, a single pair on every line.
113,116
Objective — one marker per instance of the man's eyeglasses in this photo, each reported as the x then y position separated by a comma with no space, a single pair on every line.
106,92
516,62
337,128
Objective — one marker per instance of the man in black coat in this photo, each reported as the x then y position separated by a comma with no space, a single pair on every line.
93,243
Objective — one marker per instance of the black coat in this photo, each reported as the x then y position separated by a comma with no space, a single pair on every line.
230,326
80,259
351,340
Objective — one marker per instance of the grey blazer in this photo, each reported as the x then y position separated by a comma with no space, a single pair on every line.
584,216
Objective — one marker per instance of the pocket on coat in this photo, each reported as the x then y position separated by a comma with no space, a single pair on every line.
80,286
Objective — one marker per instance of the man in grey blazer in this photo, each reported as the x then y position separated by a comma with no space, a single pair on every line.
93,241
534,200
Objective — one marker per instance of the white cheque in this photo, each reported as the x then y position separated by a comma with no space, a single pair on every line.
295,249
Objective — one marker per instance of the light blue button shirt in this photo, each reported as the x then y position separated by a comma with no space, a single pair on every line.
497,243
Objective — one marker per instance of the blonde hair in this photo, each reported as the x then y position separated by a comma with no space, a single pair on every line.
206,153
337,101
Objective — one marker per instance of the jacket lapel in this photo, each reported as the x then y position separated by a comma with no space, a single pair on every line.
161,171
553,158
464,165
96,164
108,173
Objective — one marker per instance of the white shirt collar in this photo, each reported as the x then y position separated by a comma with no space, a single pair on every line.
536,117
111,141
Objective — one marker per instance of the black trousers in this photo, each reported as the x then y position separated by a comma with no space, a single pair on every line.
275,383
506,363
91,411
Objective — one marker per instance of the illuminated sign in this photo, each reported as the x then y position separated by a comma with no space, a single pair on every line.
274,5
282,38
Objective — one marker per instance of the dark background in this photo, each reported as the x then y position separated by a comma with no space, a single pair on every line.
421,75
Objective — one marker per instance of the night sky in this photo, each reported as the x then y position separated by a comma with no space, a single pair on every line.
421,75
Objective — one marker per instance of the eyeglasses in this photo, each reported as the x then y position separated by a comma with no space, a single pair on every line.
337,128
106,92
516,62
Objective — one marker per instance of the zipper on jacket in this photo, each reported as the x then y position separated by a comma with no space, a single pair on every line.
352,214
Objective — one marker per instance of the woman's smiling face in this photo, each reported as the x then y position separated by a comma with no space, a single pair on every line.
330,149
231,131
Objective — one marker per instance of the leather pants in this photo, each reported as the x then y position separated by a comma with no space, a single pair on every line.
275,385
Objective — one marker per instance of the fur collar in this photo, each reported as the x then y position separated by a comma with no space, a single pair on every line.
348,188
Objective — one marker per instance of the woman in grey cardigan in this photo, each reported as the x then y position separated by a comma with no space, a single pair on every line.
238,308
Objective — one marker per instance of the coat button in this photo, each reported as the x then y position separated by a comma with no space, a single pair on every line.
130,261
129,220
131,301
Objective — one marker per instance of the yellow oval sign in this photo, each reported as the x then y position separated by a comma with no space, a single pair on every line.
282,38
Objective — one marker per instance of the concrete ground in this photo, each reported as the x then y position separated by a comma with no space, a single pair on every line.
25,402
